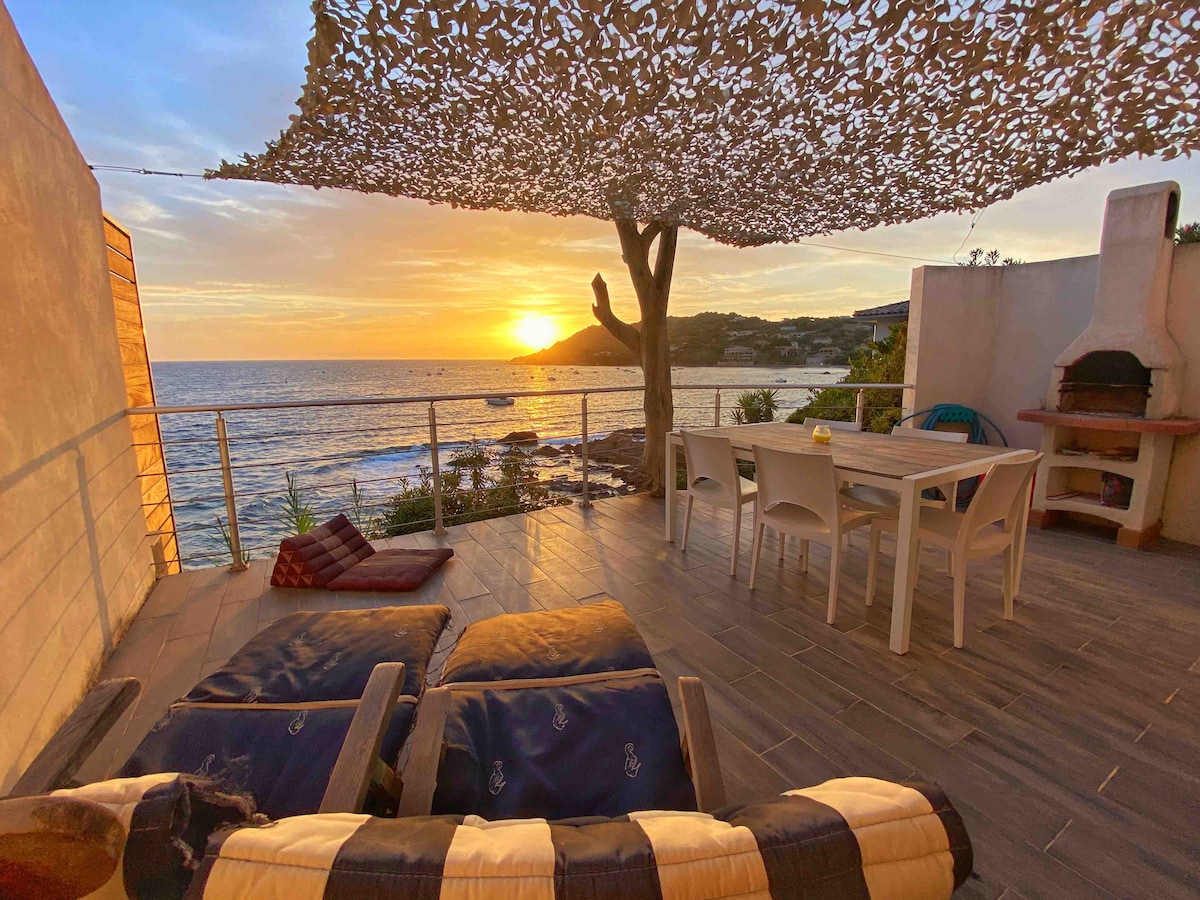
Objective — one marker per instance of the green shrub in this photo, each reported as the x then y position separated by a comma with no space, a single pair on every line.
469,492
755,406
880,362
1188,234
297,514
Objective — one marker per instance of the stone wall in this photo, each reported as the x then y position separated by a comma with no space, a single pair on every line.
75,562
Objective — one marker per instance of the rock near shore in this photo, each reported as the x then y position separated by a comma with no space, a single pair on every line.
519,437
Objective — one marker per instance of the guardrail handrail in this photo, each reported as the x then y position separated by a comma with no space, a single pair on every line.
492,395
226,467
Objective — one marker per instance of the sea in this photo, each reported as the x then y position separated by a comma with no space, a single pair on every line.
380,447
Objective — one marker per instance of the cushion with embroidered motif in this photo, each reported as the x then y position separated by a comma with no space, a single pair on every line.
282,756
601,747
580,640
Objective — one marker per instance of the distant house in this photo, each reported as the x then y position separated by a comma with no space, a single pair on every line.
882,318
741,333
827,356
822,340
738,355
787,329
789,351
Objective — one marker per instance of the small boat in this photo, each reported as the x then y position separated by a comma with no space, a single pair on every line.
500,401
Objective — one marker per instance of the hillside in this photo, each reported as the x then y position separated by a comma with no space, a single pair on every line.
710,339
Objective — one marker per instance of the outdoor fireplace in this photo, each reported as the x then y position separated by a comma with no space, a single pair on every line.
1109,422
1105,382
1125,362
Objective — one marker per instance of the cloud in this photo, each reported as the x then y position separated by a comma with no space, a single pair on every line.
242,270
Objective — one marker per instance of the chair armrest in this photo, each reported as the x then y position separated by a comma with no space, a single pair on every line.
700,746
77,737
420,775
356,763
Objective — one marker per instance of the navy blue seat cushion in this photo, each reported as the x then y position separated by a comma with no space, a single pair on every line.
597,748
271,721
282,757
596,637
315,656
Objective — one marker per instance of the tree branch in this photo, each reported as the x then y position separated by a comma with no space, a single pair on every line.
651,231
664,264
622,331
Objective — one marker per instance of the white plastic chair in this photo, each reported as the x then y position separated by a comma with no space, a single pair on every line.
713,479
887,503
987,527
798,495
834,424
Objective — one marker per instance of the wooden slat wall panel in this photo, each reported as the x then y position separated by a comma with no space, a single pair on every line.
119,265
125,296
139,389
117,239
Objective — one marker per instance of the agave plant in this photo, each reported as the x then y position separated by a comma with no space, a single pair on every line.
755,406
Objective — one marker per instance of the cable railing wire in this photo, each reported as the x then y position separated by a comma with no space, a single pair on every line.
388,491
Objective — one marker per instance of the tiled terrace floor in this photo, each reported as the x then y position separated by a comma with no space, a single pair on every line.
1069,738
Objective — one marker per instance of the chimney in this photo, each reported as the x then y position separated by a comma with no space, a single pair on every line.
1125,362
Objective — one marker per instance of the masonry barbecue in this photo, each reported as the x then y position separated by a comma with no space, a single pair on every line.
1116,389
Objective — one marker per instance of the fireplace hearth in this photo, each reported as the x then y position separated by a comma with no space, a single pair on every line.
1105,383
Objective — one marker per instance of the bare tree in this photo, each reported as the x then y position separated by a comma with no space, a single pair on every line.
748,122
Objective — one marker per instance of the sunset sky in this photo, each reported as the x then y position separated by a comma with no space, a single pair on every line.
254,271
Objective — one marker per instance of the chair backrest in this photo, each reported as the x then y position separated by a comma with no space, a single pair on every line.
834,424
1000,496
711,457
950,437
802,479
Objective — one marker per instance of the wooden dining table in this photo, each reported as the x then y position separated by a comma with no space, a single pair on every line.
906,465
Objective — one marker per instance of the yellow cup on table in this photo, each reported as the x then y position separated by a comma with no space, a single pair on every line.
821,434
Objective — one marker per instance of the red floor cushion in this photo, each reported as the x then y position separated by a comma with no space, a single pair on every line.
391,570
315,558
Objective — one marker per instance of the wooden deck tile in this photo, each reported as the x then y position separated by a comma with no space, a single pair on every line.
1093,682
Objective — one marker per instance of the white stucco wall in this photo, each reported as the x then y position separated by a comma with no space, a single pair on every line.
987,337
75,563
1181,511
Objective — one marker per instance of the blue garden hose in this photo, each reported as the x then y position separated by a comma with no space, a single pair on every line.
953,412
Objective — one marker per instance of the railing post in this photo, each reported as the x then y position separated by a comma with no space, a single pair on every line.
860,398
586,500
438,527
235,538
717,409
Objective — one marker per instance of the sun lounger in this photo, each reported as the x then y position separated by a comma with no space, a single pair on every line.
847,838
558,714
272,720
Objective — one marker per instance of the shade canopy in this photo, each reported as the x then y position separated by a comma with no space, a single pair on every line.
749,121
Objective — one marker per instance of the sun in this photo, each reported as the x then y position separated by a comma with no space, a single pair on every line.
535,331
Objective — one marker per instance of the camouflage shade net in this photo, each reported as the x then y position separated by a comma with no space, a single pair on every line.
751,122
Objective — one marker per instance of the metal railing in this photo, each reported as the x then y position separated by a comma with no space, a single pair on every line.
227,464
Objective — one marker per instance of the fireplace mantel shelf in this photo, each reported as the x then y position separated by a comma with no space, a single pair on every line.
1110,423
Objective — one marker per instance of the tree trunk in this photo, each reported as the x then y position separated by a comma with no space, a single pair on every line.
649,342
